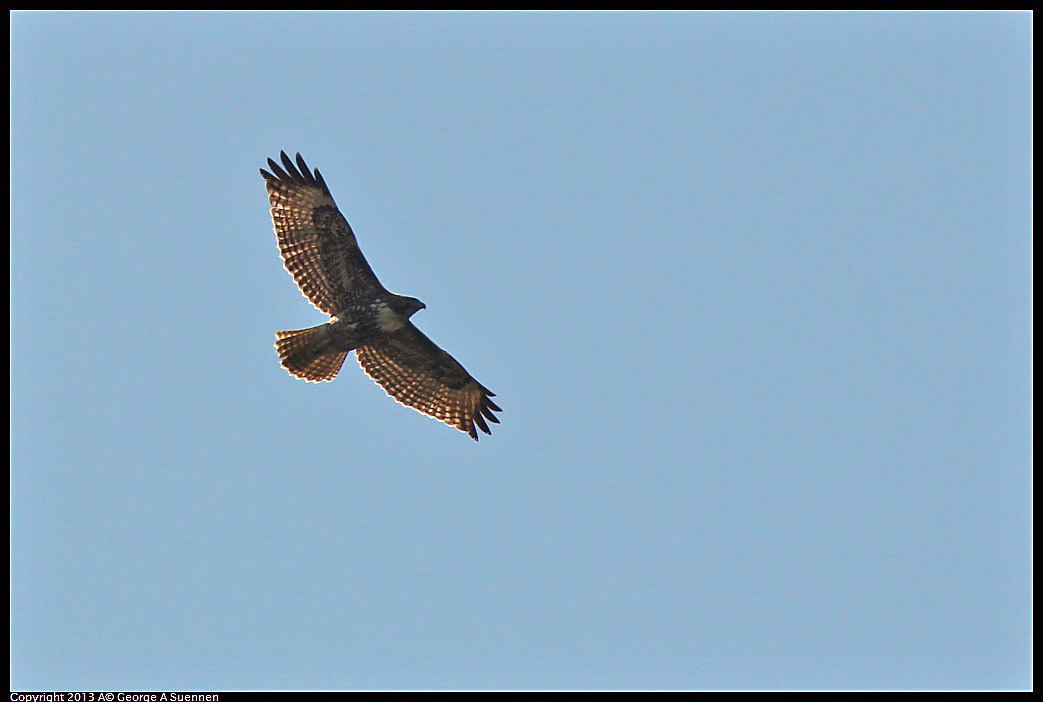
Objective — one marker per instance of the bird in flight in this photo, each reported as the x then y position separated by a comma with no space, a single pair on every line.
320,251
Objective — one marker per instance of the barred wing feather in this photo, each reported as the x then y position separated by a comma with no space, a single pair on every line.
413,370
317,245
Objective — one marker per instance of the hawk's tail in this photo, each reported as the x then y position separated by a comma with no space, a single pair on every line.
301,353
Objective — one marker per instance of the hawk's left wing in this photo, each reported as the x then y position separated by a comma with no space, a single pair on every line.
317,245
417,373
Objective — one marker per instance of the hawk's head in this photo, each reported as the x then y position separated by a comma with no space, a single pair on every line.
393,313
406,306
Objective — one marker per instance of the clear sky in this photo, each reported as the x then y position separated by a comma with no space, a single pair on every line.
753,291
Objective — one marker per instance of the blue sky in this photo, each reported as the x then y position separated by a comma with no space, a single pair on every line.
753,291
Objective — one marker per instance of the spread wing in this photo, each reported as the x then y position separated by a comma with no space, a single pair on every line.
414,371
317,245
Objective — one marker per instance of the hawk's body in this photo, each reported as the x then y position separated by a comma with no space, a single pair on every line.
320,251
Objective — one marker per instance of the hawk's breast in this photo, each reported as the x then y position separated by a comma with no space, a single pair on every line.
387,319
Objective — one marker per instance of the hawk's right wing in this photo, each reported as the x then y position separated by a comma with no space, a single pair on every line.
416,372
317,245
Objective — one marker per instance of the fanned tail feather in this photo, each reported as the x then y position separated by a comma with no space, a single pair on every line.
300,354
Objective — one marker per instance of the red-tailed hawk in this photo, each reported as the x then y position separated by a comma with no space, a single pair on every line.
319,250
